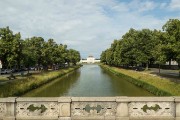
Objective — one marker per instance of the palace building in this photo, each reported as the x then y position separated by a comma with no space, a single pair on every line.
89,59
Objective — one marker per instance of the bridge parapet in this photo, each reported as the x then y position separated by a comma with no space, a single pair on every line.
91,108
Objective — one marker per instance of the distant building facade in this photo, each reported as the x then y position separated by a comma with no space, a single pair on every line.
171,63
89,59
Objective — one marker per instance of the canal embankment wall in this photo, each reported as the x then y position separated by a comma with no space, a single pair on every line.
154,84
20,87
90,108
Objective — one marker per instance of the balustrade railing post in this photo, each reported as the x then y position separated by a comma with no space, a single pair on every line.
10,108
122,108
177,102
64,108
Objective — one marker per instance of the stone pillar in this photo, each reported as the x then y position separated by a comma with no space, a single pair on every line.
10,108
177,102
122,108
64,108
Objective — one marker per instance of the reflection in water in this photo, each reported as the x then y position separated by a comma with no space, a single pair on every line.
89,80
56,88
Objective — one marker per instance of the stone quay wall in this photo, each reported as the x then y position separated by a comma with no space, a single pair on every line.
90,108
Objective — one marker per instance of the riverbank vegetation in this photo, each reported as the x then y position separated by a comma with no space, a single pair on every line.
17,54
142,48
154,84
21,86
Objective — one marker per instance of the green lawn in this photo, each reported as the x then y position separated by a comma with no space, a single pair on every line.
22,85
154,84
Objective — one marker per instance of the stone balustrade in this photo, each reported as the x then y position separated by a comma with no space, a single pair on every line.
90,108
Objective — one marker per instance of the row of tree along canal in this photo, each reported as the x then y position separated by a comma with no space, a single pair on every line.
145,47
16,53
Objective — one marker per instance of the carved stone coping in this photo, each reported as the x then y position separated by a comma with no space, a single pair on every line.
93,99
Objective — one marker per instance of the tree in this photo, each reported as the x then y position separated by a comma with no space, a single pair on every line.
35,51
103,57
28,55
128,47
73,56
6,38
37,45
17,49
109,56
172,27
144,47
117,53
10,48
145,44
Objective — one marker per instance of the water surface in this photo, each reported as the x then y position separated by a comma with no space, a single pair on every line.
89,80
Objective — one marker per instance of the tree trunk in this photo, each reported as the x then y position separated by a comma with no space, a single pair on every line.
179,68
147,66
159,68
28,69
169,62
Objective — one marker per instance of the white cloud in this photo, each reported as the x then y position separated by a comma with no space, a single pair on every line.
89,26
141,6
175,5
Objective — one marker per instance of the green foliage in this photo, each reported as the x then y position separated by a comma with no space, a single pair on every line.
35,51
144,47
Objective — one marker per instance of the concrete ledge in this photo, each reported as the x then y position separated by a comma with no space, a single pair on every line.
151,99
3,99
64,118
88,118
64,99
152,118
177,99
95,118
93,99
9,99
37,99
122,118
122,99
37,118
9,118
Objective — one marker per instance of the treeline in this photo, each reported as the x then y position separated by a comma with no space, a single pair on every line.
145,47
17,53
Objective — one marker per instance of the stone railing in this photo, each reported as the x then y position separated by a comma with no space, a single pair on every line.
91,108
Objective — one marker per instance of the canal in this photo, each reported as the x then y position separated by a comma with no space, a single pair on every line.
88,81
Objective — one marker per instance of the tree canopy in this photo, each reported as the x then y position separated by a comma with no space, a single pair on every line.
145,47
16,52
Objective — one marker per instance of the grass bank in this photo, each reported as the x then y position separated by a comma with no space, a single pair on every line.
154,84
19,87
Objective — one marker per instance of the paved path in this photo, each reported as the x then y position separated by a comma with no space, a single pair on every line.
170,74
167,72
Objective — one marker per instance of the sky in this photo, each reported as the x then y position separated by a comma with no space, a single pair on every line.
89,26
